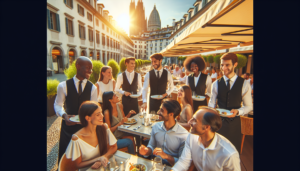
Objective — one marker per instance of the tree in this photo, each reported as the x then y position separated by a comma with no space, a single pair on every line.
242,61
115,68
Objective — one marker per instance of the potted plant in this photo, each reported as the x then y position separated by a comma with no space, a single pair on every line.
122,64
51,95
115,68
242,61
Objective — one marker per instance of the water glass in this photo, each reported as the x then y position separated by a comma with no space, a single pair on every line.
157,164
194,93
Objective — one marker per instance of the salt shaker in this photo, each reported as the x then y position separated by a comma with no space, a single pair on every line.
122,167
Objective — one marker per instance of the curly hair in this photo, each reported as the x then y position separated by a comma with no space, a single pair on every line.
197,59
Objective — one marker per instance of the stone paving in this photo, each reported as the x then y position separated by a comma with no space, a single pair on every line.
53,133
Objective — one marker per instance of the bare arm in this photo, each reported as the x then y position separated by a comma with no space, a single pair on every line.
128,115
112,148
114,85
188,112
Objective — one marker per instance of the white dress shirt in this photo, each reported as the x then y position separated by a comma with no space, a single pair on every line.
177,73
171,141
62,93
183,79
220,155
246,95
215,75
147,83
208,83
130,77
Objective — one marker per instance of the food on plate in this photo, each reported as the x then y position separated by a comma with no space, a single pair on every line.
137,167
141,116
218,111
155,117
224,113
130,121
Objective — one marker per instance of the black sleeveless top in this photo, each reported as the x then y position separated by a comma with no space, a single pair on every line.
126,86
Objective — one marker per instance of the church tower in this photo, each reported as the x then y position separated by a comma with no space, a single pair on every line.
154,21
138,22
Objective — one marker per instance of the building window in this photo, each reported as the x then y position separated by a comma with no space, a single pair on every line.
103,27
196,8
135,41
53,20
97,22
69,26
155,44
135,51
97,37
91,35
107,29
107,41
89,16
103,39
160,44
189,17
81,32
135,46
145,47
69,3
80,10
160,48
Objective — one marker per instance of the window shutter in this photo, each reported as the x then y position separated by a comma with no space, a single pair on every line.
67,25
79,31
49,20
65,1
72,4
84,32
78,8
57,22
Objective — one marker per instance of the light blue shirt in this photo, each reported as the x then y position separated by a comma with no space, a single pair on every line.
171,141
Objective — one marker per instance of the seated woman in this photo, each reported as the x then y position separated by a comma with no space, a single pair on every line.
94,144
105,83
114,117
185,96
214,75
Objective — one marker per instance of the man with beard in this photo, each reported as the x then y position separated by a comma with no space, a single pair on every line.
167,137
131,82
72,93
207,149
157,79
230,90
200,83
246,77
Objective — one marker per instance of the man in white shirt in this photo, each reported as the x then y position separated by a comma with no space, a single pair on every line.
246,77
208,150
157,79
73,92
184,79
131,82
230,91
177,72
167,137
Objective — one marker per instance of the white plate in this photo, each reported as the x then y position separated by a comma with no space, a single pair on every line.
135,96
135,164
75,118
176,81
199,98
157,97
224,110
131,123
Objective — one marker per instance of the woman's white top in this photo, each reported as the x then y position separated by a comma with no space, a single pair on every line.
215,75
104,88
79,147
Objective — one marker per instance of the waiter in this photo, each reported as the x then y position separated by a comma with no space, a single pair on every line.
157,79
131,82
230,90
73,92
200,83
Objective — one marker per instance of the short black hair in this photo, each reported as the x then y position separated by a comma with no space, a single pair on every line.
212,118
157,56
172,106
198,59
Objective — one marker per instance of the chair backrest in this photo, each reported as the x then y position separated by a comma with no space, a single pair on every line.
246,125
66,164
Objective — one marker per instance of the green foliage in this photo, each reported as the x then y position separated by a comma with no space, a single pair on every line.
205,58
210,59
115,67
97,65
52,87
217,59
242,61
122,64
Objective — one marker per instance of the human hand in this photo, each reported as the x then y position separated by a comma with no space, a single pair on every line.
144,106
131,112
143,150
96,165
234,111
127,93
123,120
160,152
103,161
164,95
67,119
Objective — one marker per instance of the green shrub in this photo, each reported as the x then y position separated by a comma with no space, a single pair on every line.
205,58
97,65
217,59
122,64
242,61
115,68
52,87
210,59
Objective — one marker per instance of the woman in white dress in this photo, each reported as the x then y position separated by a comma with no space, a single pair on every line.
185,96
94,144
105,83
214,74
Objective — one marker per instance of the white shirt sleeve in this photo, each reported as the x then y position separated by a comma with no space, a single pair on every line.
187,80
60,99
233,163
94,95
145,87
73,150
119,83
111,138
214,94
140,85
152,141
247,99
185,159
208,85
170,80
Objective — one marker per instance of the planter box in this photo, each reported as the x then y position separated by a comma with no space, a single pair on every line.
50,106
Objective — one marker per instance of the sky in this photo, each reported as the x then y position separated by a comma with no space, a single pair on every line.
167,9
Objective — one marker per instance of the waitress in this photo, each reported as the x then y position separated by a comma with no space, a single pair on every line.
200,83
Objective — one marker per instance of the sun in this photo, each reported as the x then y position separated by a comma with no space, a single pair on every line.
123,22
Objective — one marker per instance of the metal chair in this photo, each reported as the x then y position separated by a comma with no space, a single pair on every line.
66,164
246,128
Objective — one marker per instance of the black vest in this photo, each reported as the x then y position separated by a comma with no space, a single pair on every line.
73,100
126,85
201,85
158,86
230,99
128,102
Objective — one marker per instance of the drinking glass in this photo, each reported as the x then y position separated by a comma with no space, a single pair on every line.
152,114
157,164
194,93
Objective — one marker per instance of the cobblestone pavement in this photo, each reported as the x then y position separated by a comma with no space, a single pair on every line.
53,133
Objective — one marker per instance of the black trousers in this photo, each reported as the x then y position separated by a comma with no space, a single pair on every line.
154,104
231,129
66,133
196,104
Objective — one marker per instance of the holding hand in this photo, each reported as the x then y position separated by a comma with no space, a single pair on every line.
96,165
67,119
164,95
144,106
123,120
103,160
234,111
143,150
127,93
130,113
160,152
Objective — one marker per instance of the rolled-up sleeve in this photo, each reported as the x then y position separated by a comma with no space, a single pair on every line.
170,80
214,94
152,141
94,96
247,99
185,159
208,86
145,87
59,100
233,163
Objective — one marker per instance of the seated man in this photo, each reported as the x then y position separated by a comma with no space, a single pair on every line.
177,72
207,149
184,79
167,137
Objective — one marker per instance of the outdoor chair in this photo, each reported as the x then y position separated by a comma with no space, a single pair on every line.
125,149
66,164
246,128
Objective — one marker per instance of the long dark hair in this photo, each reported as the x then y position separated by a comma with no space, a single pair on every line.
106,103
87,108
188,95
103,69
